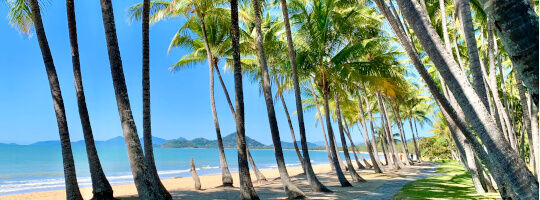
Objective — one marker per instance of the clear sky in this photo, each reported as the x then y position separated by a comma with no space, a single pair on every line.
180,100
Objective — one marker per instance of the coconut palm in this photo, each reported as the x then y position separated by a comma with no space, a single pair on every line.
147,124
246,187
480,119
315,184
24,15
101,189
291,190
146,187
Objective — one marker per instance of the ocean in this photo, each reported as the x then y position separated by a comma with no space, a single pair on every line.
33,168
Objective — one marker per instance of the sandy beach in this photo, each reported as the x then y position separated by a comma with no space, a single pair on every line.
183,187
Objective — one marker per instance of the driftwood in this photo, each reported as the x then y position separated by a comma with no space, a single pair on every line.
195,176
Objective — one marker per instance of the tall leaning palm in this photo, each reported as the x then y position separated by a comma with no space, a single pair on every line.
315,184
246,187
145,186
147,123
101,189
291,190
25,14
200,15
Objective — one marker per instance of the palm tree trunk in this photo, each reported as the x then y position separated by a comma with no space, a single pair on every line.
403,138
322,127
147,123
291,190
417,136
509,121
442,10
464,13
316,185
397,164
226,174
355,150
139,169
260,176
101,189
448,111
280,94
246,186
70,177
373,156
468,158
533,108
355,177
493,85
512,19
524,185
374,140
416,150
526,122
226,177
340,161
342,180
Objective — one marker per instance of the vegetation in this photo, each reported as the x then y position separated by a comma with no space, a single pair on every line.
454,183
470,64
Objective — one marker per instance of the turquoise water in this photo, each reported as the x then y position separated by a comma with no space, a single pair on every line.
32,168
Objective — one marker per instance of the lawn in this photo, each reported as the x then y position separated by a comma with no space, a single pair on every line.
455,183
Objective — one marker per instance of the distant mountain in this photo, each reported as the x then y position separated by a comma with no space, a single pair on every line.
49,142
228,141
119,140
290,144
8,144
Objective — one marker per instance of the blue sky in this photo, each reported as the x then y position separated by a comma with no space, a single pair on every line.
180,101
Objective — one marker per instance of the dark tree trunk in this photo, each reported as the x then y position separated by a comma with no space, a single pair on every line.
355,177
101,189
322,127
147,122
355,150
417,136
291,190
290,126
226,174
139,169
517,25
246,187
342,180
70,177
314,182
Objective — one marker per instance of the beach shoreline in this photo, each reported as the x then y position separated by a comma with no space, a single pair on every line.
182,187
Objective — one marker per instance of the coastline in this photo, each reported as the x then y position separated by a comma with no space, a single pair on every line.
183,188
172,184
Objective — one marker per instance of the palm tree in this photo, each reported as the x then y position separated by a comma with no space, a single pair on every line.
513,18
315,184
146,187
147,123
101,189
246,187
290,189
464,13
24,15
478,116
355,177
